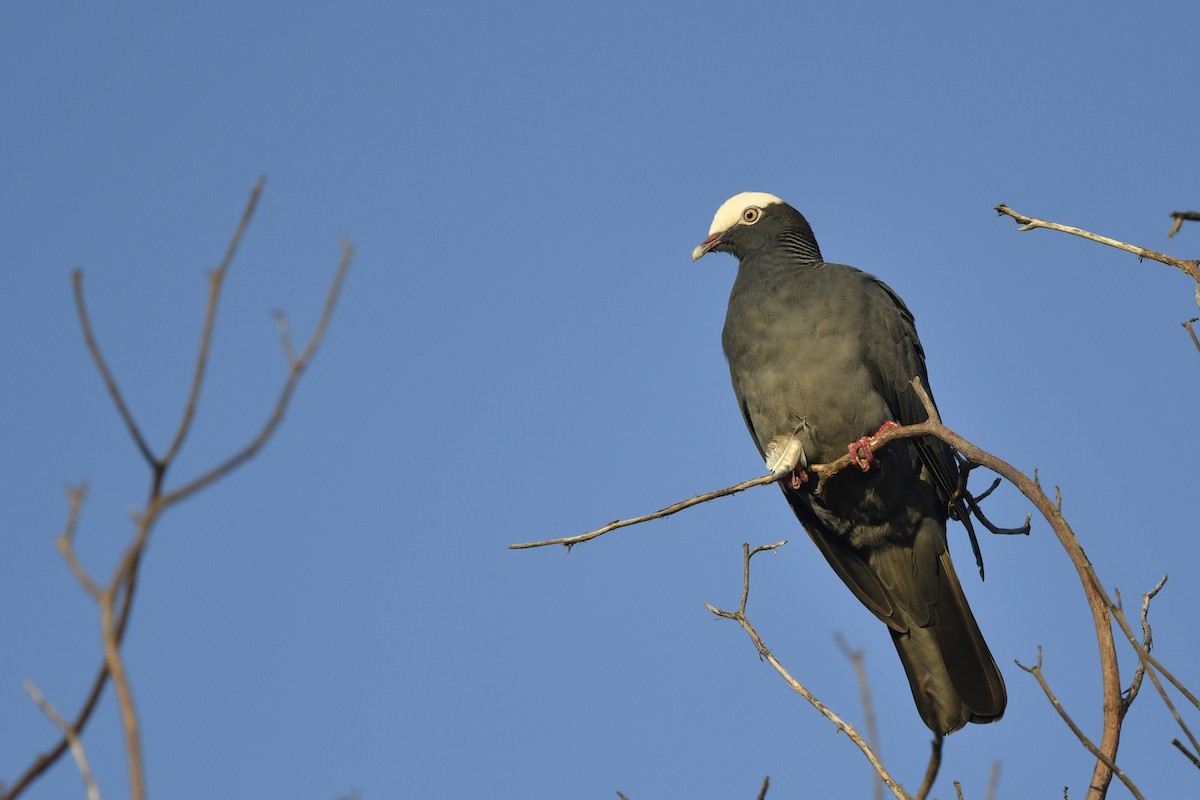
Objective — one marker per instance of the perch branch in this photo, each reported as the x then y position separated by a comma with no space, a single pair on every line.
1098,600
570,541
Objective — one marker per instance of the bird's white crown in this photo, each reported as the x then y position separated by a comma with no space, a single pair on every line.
730,212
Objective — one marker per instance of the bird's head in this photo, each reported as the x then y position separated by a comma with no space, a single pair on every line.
750,221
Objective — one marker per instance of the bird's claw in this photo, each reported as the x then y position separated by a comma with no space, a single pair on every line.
861,455
797,478
860,451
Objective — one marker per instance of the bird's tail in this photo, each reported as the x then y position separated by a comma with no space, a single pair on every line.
953,676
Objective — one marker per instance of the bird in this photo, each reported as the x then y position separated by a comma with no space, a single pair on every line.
821,357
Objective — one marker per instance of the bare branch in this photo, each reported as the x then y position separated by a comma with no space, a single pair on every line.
295,372
77,751
762,793
116,598
1191,268
842,726
1036,671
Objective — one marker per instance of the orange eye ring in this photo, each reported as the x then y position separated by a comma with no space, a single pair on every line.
751,215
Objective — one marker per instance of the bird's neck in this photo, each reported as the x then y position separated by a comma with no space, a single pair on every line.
799,245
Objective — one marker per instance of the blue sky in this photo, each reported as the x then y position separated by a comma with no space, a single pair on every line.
524,349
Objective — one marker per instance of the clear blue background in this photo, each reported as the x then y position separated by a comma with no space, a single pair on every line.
524,350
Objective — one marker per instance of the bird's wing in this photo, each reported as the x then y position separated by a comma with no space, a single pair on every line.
895,381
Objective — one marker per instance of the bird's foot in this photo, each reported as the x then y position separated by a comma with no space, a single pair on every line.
860,450
797,478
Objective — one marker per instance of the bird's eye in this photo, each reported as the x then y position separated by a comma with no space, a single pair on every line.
751,215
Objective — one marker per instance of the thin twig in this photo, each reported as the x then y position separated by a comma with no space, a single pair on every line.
1191,268
842,726
65,543
1178,217
77,751
762,793
1191,331
1147,642
1181,748
570,541
215,279
993,782
931,771
1036,671
977,512
102,366
859,662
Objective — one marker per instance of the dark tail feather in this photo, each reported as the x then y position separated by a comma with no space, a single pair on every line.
953,676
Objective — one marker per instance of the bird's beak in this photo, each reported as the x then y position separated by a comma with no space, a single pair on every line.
706,246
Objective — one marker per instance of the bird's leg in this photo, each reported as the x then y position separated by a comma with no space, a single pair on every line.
860,450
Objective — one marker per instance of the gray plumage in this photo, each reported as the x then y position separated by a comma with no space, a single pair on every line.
821,355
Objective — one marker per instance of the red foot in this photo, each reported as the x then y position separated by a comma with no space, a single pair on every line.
798,478
860,451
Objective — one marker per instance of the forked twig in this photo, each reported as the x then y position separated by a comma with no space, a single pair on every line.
1036,671
739,616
